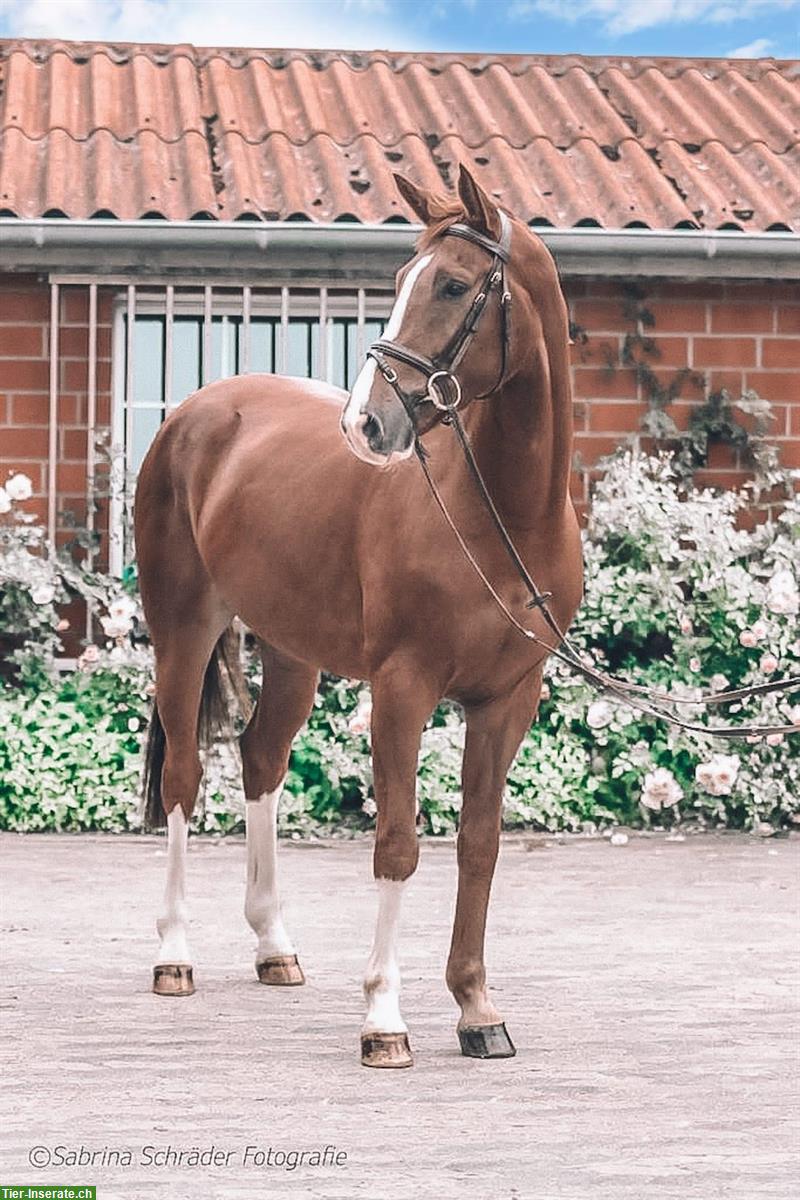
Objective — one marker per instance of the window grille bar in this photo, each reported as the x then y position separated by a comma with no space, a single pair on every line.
206,334
247,307
284,356
129,353
361,320
91,431
324,356
169,321
52,438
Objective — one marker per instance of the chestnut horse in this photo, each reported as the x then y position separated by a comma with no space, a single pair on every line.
252,504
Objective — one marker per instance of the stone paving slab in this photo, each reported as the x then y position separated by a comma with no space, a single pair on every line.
651,991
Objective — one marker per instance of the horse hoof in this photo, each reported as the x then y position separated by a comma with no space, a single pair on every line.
386,1050
281,971
173,979
486,1041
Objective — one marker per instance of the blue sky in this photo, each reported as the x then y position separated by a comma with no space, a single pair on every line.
714,28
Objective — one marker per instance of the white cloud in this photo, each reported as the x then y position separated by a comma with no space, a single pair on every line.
340,24
756,49
628,16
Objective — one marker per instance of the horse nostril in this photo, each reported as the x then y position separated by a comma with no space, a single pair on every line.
373,430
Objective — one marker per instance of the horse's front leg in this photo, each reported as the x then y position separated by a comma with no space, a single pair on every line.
402,701
494,732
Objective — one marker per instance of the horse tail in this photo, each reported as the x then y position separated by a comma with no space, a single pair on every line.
224,682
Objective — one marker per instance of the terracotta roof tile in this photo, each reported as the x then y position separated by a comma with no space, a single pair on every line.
271,134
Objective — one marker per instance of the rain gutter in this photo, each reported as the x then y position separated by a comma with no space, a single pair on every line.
348,250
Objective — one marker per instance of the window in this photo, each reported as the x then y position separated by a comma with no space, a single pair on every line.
171,339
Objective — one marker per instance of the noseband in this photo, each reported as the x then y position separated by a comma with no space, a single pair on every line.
440,371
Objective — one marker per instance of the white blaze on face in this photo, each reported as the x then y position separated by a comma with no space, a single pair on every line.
353,415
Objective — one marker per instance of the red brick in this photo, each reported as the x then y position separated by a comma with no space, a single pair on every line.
619,418
75,305
722,457
591,446
23,341
678,316
672,352
744,317
721,479
794,419
73,444
25,375
599,316
732,380
788,319
25,305
618,383
73,341
67,410
789,452
780,352
30,410
702,290
775,385
724,352
26,442
71,479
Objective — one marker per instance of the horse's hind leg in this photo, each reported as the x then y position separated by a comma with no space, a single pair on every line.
287,695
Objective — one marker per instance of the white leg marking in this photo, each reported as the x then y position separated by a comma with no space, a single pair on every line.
262,906
382,980
172,925
353,415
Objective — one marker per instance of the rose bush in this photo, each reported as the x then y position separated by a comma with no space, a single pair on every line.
679,597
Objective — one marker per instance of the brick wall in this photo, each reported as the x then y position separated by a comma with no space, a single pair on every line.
25,389
736,335
733,335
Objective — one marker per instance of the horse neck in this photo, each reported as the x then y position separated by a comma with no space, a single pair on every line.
522,436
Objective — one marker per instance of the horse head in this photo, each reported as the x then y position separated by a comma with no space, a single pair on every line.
449,338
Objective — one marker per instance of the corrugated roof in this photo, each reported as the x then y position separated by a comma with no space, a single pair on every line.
183,132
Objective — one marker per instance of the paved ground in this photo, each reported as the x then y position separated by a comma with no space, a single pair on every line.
650,990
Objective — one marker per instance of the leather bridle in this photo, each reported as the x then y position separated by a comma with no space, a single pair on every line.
440,371
441,377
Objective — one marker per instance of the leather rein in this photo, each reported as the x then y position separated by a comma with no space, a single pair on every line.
443,390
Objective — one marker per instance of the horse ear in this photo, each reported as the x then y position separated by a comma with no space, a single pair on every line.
481,212
423,203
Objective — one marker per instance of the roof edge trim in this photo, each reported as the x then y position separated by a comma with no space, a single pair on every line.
154,247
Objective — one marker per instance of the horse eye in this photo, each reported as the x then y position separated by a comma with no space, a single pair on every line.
453,288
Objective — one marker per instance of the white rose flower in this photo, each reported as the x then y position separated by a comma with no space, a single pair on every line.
19,487
718,776
660,790
782,594
719,683
116,627
760,630
369,807
747,638
768,663
599,714
5,501
123,608
694,664
43,593
685,624
361,719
